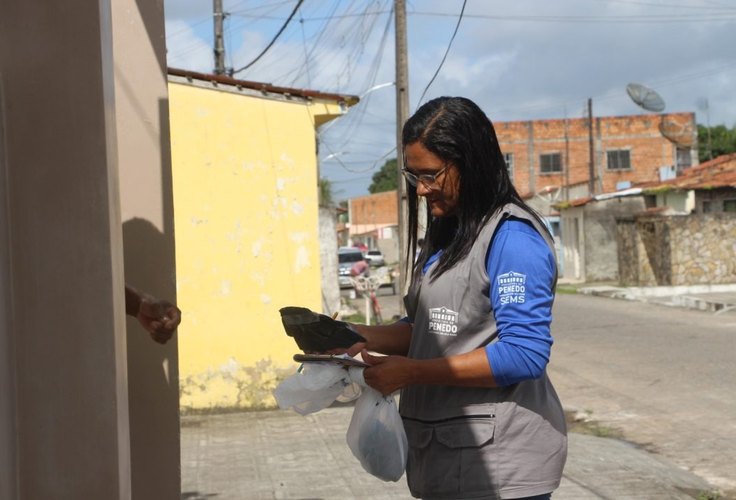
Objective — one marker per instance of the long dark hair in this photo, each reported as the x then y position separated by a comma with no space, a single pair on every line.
457,131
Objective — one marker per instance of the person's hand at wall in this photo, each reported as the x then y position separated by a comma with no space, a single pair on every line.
159,317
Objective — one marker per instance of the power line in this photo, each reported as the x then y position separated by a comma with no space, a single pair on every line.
326,18
669,5
635,19
283,27
355,120
447,51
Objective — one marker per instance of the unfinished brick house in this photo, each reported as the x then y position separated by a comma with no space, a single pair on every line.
552,157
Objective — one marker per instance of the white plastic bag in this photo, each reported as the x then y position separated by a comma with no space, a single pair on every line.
376,433
315,387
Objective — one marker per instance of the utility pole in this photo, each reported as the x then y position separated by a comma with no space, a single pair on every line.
591,144
402,114
566,191
707,122
219,16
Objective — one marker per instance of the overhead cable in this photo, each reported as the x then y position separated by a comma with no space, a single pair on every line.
288,20
457,26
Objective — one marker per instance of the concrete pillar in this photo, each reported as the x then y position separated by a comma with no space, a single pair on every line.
142,119
8,484
83,92
64,293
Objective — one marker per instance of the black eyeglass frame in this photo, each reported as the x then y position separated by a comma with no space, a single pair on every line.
428,180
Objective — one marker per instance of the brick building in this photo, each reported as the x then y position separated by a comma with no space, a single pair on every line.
553,156
373,221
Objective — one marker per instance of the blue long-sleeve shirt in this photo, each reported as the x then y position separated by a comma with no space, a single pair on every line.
523,312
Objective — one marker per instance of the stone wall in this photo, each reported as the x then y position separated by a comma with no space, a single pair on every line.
659,250
601,237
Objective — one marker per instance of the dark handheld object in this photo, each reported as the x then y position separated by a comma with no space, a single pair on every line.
314,332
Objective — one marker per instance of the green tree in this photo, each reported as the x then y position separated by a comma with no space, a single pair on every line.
715,141
385,179
325,192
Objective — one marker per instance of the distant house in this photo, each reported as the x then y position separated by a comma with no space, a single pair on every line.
374,221
589,235
708,188
679,231
247,223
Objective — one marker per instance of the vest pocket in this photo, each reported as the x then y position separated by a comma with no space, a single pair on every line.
451,457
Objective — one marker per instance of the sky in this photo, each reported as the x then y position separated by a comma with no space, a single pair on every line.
518,60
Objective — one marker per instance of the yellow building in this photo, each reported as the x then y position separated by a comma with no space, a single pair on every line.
245,184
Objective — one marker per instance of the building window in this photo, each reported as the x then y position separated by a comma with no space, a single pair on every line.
684,159
509,159
707,206
729,205
550,163
619,159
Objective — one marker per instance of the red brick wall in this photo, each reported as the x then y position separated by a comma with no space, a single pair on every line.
379,208
639,134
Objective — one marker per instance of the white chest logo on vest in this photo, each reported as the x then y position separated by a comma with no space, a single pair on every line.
443,321
511,288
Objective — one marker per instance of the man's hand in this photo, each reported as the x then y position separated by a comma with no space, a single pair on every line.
159,317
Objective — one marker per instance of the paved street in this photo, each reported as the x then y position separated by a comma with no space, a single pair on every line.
664,376
659,377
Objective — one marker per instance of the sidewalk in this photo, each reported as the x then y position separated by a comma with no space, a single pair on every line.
718,299
281,455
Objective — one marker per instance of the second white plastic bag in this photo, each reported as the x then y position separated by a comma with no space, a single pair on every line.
376,433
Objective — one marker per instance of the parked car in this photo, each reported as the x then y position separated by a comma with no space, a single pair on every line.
375,258
347,257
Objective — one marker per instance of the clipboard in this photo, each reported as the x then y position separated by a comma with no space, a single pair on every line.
329,358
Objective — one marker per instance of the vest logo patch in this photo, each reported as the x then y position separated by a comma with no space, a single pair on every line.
443,321
511,288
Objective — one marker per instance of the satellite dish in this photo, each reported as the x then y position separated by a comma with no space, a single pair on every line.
645,97
681,134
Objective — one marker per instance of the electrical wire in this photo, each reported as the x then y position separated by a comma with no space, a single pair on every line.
283,27
668,5
310,55
442,62
304,45
354,119
326,18
636,19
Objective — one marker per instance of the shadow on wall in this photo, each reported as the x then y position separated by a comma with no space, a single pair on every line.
153,369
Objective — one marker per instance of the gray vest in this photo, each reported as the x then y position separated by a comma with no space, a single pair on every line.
516,435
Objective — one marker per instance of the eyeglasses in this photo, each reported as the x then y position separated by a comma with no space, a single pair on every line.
428,180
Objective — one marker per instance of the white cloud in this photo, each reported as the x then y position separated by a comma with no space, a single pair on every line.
185,49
